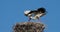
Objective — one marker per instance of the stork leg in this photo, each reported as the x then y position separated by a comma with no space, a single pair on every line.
38,19
29,19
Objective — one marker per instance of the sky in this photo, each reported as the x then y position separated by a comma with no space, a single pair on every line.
12,11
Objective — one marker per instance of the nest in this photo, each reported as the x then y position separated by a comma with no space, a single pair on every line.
29,27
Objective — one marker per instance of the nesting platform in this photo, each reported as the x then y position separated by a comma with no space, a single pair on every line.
29,27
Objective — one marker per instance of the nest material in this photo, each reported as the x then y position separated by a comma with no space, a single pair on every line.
29,27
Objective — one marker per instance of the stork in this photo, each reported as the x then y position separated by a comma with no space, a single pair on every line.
35,14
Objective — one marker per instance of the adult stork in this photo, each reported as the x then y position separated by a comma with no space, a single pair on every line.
35,14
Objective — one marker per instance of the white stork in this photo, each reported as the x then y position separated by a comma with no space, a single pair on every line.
35,14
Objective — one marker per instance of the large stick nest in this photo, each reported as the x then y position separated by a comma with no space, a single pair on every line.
29,27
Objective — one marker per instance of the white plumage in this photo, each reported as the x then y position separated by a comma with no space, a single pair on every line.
26,12
35,14
35,17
